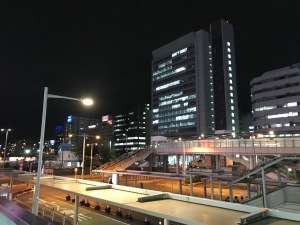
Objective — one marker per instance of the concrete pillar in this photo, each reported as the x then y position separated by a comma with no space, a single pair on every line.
166,222
220,191
165,163
191,185
252,163
125,179
211,187
248,190
134,180
75,221
177,164
10,189
217,158
204,187
230,192
279,177
180,186
263,175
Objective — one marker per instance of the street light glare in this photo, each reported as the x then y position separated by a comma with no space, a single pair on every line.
87,101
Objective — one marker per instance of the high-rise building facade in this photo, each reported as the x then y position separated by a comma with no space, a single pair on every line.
275,97
76,126
193,80
132,129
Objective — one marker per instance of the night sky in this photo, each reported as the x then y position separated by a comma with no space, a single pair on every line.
103,49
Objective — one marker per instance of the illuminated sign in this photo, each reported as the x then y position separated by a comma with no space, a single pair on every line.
70,119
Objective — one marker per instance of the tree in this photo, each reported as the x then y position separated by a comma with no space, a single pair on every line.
77,149
106,153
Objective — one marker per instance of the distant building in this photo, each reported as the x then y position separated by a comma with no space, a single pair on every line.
194,84
107,130
132,129
275,97
76,126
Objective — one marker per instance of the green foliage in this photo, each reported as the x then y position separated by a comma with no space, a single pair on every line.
106,153
77,149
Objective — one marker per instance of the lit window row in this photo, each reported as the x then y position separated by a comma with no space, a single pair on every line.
165,64
168,85
282,115
170,96
177,118
180,124
170,73
184,98
174,112
265,108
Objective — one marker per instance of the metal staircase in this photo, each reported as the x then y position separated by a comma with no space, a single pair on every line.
126,160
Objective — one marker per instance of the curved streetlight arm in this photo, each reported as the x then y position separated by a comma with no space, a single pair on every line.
58,96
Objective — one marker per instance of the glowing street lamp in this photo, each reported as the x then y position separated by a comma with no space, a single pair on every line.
38,177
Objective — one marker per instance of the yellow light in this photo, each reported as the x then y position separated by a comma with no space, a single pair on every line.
87,101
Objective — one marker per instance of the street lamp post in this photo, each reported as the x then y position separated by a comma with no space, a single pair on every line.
35,204
91,162
5,145
83,154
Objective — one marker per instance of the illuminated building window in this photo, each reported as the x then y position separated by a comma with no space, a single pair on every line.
230,81
228,43
168,85
232,107
228,50
232,121
229,62
233,128
231,94
231,101
232,114
229,56
231,88
229,68
230,74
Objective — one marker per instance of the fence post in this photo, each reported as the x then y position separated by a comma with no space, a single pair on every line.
43,208
64,218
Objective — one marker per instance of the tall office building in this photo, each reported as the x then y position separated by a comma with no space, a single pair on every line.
194,85
132,129
275,100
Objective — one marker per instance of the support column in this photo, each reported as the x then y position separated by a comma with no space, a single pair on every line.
177,164
230,192
75,221
263,175
220,191
165,162
125,179
10,189
211,187
204,187
180,187
279,177
102,177
248,190
252,163
166,222
191,185
134,180
217,157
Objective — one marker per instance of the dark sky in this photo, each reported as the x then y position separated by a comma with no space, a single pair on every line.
103,48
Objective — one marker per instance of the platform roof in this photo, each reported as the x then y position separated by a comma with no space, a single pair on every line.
174,207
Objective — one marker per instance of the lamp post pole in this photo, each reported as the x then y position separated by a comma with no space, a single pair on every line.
38,176
35,204
5,145
83,154
91,159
